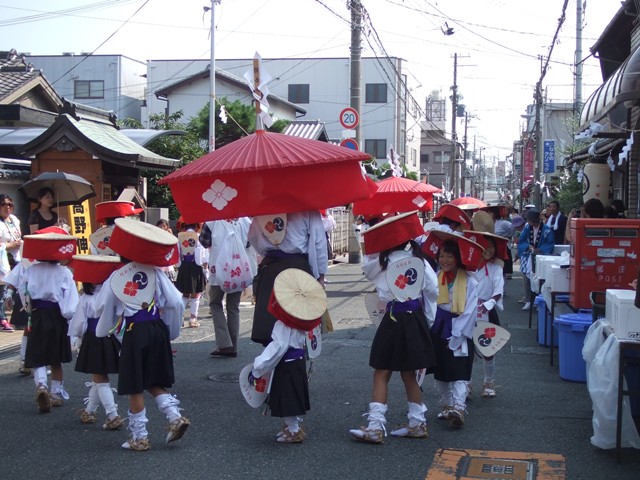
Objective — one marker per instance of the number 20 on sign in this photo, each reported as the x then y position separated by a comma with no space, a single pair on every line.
349,118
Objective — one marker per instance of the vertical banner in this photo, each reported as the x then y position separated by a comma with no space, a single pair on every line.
80,223
549,160
528,159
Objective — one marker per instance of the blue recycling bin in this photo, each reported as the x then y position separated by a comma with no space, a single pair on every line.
572,330
545,317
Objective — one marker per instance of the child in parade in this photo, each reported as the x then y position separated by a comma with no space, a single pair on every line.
455,319
490,280
97,356
402,342
52,298
191,279
106,214
289,240
151,309
298,302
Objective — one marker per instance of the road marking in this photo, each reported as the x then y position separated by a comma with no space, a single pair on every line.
458,464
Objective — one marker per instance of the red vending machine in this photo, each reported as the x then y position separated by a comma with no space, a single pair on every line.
604,254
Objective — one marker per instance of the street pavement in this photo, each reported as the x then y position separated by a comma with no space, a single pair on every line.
534,412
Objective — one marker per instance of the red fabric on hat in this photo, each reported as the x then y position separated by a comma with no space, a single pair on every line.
453,213
115,209
383,237
57,230
49,247
92,271
277,311
470,252
143,250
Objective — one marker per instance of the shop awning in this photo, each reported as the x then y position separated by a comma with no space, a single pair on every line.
621,87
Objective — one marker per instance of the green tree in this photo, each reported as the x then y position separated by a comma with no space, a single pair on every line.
241,121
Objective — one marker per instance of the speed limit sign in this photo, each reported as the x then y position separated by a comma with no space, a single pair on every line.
349,118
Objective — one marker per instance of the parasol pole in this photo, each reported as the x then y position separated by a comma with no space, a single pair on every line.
257,93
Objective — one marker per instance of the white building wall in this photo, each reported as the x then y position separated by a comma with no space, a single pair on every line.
329,92
122,76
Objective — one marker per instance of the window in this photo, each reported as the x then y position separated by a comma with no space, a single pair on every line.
299,93
376,148
424,158
376,93
441,157
88,89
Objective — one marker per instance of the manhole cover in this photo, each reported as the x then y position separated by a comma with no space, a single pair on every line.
224,377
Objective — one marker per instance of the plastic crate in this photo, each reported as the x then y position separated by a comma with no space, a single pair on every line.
598,302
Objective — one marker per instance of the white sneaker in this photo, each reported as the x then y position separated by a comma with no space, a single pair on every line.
527,306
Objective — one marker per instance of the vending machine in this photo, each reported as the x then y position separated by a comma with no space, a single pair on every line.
604,254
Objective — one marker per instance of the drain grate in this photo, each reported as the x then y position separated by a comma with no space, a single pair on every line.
224,377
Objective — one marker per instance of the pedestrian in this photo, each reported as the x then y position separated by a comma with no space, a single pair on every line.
226,327
506,229
330,225
97,356
298,302
452,219
455,320
191,281
620,208
53,299
139,300
10,241
402,342
535,238
490,280
557,221
43,216
170,271
291,240
106,214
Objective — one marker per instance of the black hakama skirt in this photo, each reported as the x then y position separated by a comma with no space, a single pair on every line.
191,278
47,342
146,359
403,344
98,355
268,270
289,394
449,368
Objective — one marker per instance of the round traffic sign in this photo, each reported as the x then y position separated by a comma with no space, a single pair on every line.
349,118
349,143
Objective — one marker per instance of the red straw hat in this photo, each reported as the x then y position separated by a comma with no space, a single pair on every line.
54,229
49,246
144,243
115,209
453,213
94,268
481,238
392,232
297,299
470,251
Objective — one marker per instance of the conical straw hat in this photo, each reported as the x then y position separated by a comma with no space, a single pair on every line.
299,294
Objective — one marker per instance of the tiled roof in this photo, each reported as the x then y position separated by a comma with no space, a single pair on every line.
311,129
14,72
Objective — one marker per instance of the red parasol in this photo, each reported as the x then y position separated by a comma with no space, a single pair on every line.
266,173
468,203
397,194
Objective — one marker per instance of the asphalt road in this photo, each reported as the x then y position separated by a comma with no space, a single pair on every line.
535,411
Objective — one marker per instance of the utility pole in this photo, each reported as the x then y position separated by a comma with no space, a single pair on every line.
578,57
355,102
212,80
463,166
454,111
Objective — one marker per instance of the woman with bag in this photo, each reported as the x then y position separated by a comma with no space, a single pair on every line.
10,242
223,238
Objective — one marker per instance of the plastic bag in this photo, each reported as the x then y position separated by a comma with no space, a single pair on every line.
232,267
